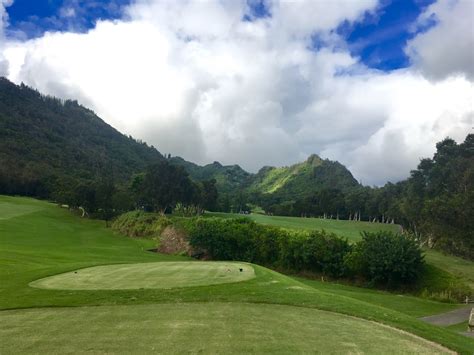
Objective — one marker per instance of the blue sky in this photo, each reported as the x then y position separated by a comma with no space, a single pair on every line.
33,18
378,40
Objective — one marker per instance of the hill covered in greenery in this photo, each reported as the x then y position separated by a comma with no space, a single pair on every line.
228,178
302,179
270,185
48,144
45,142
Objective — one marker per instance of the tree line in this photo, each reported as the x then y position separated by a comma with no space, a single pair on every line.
162,187
436,202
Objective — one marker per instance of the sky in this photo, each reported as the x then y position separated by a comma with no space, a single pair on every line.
373,84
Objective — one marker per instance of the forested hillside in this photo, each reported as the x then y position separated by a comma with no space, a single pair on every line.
46,142
228,178
271,185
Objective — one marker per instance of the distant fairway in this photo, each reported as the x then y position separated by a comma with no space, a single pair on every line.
149,275
211,328
12,207
348,229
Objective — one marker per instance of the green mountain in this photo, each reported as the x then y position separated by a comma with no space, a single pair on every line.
293,182
44,140
302,179
229,178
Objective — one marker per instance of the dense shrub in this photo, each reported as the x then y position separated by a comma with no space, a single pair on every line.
380,258
245,240
325,252
223,239
386,258
140,224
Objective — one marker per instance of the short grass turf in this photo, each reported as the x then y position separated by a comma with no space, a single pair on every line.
50,241
347,229
410,305
149,275
216,328
460,268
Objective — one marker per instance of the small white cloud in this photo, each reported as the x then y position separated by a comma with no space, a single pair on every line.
67,12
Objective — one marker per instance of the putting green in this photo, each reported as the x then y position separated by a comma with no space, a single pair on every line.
148,275
211,328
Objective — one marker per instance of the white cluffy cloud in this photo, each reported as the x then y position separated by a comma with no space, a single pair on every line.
194,79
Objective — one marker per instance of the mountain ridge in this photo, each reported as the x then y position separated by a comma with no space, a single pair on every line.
44,138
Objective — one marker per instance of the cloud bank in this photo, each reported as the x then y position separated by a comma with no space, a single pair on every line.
211,81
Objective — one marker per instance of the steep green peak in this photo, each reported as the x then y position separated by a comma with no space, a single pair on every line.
314,160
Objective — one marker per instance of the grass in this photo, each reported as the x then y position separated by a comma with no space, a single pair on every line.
348,229
410,305
49,240
148,275
220,328
460,268
460,327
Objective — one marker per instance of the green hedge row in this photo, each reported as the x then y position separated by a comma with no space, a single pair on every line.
381,258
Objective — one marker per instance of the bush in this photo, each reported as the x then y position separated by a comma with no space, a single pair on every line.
140,224
325,252
386,258
245,240
223,239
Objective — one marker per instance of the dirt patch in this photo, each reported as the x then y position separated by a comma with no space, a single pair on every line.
174,241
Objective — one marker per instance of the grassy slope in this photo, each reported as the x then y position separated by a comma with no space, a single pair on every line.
348,229
460,268
275,178
49,241
410,305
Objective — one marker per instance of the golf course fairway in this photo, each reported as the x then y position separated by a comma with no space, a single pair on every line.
211,328
148,275
72,285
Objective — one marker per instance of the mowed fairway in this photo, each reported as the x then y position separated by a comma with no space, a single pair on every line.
212,328
347,229
148,275
127,311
